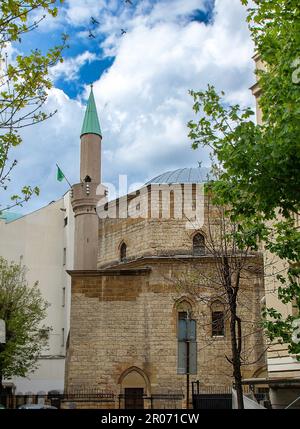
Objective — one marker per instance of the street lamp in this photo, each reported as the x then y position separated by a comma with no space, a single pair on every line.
187,349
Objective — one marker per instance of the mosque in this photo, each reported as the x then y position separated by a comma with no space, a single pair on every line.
129,319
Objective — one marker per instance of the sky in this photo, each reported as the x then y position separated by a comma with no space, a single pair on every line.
141,81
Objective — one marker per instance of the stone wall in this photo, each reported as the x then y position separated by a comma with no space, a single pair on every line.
159,228
143,237
128,319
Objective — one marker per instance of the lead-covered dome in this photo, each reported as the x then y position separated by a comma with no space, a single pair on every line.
183,175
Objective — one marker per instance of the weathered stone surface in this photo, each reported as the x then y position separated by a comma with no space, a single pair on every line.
119,322
124,316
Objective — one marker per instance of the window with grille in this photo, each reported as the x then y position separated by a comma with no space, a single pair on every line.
198,244
218,323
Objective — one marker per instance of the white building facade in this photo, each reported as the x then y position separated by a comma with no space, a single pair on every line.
43,241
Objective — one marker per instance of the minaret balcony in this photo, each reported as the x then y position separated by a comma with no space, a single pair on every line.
84,197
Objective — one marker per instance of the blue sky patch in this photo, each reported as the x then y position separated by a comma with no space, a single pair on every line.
204,15
88,73
145,94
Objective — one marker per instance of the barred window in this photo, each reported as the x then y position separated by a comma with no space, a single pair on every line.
198,244
217,319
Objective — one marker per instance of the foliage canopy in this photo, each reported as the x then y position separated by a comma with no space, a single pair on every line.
259,164
23,309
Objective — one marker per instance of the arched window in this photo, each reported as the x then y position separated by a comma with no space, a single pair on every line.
123,250
198,244
217,319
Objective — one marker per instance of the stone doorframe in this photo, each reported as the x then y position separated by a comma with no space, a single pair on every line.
147,385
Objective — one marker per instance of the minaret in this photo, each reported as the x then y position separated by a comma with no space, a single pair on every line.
84,198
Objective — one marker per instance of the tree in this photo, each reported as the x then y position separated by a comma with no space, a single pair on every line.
24,81
229,282
260,163
23,309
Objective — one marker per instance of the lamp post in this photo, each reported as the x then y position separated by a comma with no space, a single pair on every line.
188,362
187,375
187,350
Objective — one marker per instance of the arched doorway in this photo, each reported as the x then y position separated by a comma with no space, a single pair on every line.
134,386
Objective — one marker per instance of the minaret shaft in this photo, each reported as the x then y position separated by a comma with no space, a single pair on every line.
85,198
90,157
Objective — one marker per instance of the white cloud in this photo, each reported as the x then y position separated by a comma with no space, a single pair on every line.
7,56
143,102
53,141
70,68
146,89
166,11
79,11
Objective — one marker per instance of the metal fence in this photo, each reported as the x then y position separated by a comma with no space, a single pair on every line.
211,397
85,399
74,399
220,397
155,401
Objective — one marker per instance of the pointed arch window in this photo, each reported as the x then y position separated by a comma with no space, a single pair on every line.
217,319
198,244
123,251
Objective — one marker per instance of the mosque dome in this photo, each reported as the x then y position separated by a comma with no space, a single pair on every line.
182,175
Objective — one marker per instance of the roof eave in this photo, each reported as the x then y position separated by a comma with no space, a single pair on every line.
90,132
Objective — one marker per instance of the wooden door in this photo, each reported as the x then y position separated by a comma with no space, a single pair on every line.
134,398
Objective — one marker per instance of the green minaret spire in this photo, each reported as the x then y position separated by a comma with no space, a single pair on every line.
91,122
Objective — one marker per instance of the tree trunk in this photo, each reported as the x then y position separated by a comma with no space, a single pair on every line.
236,360
236,339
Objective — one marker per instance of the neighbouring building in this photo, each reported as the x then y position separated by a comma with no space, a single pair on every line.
43,241
283,375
